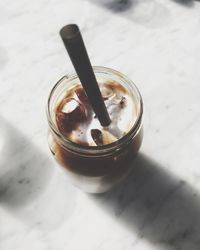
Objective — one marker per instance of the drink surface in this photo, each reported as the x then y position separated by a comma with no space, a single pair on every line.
77,121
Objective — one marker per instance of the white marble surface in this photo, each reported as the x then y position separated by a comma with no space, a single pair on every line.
157,44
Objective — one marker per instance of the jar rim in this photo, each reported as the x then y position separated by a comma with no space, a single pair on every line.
95,149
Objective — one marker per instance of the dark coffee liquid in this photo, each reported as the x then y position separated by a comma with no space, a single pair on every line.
96,166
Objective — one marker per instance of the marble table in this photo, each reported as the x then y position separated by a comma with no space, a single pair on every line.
157,44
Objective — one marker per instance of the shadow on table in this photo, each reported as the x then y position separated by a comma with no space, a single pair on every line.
125,5
156,205
30,187
116,5
24,170
187,3
149,14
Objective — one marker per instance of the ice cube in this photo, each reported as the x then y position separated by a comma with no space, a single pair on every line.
69,114
82,95
97,136
108,137
107,93
122,102
69,106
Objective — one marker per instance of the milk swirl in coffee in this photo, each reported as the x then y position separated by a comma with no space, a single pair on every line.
77,122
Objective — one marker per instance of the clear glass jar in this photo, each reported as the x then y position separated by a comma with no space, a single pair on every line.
95,169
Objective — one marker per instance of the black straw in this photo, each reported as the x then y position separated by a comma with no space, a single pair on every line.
74,44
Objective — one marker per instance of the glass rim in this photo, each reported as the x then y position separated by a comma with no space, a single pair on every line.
95,149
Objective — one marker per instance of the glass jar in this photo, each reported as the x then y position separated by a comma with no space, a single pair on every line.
95,169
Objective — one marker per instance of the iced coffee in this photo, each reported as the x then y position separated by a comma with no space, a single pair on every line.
95,157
